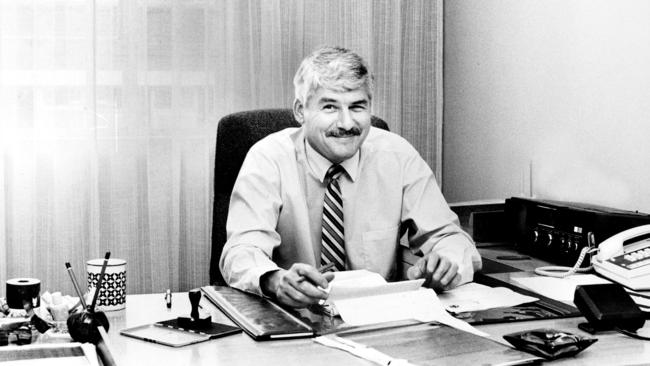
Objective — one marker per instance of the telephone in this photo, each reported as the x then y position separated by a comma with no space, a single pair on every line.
625,258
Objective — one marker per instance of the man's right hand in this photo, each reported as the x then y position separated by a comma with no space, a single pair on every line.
299,286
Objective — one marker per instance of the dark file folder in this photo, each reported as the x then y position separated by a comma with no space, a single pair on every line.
259,317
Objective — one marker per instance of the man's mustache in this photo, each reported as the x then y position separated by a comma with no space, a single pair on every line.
341,132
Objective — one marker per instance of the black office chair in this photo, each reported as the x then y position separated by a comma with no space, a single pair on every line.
236,133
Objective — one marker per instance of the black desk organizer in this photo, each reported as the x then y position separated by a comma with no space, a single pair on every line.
544,308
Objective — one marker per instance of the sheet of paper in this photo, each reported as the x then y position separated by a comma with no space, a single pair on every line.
474,297
338,292
641,298
561,289
362,282
349,283
55,361
360,350
48,354
422,305
357,276
358,283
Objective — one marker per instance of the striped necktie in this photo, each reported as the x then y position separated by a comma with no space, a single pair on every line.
333,242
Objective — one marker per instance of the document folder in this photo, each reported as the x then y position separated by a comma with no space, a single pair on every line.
259,317
428,345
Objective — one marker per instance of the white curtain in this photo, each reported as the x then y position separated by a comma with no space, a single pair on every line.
108,112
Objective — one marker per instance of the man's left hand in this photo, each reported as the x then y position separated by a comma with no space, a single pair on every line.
438,271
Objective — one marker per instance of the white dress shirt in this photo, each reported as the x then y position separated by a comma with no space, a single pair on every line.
276,209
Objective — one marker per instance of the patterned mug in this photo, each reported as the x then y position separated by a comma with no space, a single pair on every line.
112,295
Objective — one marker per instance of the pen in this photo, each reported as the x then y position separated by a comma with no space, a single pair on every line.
100,280
168,298
326,267
321,269
75,284
513,257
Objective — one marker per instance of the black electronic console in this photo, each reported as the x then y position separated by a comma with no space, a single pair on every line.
557,231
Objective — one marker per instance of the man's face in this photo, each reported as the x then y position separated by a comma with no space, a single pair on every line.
335,123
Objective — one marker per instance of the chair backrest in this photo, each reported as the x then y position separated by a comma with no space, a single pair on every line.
236,133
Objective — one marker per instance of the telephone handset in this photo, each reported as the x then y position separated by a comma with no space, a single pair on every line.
625,258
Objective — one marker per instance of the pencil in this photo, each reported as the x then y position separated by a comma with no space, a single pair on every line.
100,280
75,284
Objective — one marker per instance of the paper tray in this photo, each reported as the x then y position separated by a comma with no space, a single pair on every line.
164,335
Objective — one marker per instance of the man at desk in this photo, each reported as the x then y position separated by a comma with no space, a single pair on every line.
337,190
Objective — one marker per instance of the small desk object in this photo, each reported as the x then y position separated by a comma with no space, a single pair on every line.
196,321
182,331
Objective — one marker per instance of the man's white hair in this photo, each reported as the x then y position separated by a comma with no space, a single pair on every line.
332,68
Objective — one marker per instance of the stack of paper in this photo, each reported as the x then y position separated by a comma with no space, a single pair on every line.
364,298
359,283
475,297
561,289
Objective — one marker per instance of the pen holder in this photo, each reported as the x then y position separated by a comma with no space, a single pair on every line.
112,295
82,326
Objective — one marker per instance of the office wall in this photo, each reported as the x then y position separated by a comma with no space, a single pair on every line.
549,98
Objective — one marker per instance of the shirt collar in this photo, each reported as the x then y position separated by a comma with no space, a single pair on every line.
319,164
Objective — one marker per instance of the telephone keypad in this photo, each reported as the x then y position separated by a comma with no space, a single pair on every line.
632,260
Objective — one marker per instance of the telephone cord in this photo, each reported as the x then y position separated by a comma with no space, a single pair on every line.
562,271
631,334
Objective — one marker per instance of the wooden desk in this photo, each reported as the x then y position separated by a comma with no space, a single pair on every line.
240,349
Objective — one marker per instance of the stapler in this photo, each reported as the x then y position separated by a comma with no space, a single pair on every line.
195,321
609,307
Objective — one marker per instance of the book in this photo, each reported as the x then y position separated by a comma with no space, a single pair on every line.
259,317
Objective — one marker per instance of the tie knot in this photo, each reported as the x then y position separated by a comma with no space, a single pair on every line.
334,172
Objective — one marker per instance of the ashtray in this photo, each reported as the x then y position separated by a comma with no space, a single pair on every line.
549,343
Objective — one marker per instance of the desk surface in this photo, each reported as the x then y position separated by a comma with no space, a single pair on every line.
611,348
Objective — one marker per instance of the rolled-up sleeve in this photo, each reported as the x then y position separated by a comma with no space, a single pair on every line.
253,215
